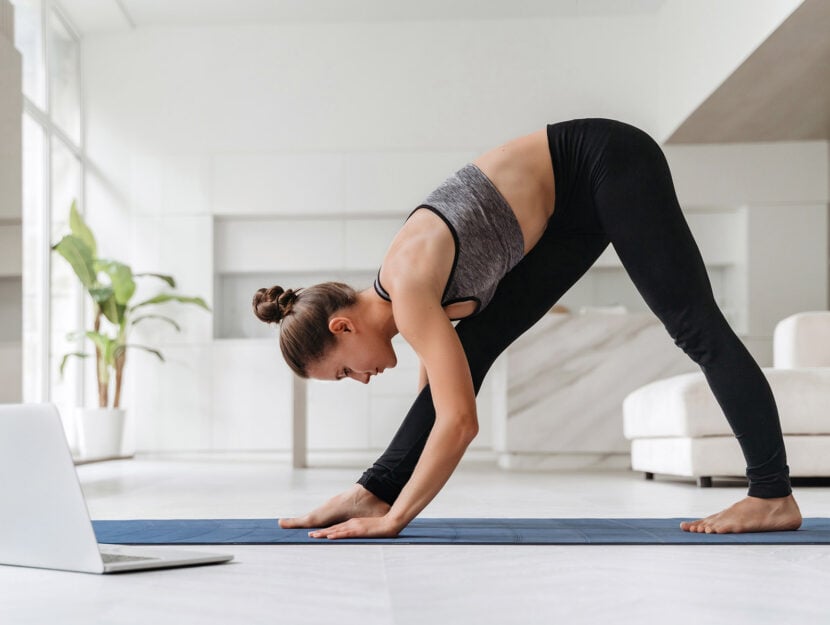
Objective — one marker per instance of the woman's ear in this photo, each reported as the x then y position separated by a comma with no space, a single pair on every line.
339,325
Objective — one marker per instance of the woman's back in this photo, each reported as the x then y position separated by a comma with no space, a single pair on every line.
475,226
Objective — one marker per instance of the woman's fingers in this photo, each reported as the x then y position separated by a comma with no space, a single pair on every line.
377,527
334,531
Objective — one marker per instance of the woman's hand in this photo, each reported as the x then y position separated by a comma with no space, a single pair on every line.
364,527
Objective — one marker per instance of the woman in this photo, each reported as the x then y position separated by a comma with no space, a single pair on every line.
496,245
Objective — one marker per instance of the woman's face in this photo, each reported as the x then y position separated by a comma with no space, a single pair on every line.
358,353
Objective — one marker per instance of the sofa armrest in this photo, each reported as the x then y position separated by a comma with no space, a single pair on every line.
802,340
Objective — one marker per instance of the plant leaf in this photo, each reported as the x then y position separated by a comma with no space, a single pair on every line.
66,357
110,309
103,343
79,256
101,293
121,278
175,325
168,279
81,230
121,348
109,354
166,297
74,336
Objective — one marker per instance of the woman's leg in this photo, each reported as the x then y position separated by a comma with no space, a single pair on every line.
523,296
636,204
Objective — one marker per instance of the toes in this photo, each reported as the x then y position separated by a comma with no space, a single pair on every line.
713,524
691,526
702,527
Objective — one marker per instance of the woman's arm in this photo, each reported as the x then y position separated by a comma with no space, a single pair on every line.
424,324
423,380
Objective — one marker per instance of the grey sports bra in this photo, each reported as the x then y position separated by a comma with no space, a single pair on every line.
488,238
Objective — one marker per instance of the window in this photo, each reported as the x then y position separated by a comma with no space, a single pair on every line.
53,170
28,37
64,78
65,293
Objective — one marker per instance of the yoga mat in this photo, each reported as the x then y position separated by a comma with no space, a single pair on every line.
459,531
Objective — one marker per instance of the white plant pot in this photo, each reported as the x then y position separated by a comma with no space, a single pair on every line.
100,431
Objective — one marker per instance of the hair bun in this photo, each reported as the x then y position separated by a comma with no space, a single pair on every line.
272,305
286,301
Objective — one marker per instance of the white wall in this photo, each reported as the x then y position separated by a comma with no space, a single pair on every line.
282,121
779,193
199,137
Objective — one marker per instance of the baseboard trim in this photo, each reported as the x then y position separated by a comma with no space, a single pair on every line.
321,458
564,461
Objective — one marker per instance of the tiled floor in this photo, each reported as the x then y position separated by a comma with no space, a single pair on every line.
426,584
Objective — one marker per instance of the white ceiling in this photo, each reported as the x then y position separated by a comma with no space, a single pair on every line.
93,16
781,92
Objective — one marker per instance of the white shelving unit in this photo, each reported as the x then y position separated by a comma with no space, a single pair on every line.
253,251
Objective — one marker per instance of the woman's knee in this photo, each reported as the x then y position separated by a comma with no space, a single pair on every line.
702,333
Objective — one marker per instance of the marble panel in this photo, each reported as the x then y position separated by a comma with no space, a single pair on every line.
567,377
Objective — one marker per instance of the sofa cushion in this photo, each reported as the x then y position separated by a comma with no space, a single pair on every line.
802,340
683,405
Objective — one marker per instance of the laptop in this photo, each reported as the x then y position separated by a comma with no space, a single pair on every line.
44,521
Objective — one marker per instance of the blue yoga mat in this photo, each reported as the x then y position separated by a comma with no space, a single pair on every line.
430,531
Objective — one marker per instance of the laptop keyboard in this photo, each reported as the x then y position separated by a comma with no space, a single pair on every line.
117,557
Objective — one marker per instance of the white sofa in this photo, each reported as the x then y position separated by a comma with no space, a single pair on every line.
677,428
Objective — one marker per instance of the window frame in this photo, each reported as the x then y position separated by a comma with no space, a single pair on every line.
42,390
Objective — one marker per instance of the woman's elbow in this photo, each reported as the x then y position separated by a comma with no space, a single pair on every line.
462,429
471,434
469,428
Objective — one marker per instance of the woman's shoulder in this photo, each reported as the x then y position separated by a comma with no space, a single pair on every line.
421,253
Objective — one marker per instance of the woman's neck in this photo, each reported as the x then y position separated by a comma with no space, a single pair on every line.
377,312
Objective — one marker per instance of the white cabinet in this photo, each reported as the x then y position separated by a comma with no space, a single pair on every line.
251,252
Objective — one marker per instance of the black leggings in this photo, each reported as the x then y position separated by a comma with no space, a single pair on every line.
613,184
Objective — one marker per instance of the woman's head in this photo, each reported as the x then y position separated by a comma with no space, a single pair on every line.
326,333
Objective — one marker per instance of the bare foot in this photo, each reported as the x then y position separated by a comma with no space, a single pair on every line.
751,514
355,502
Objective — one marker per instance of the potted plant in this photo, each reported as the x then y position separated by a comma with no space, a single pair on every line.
111,286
